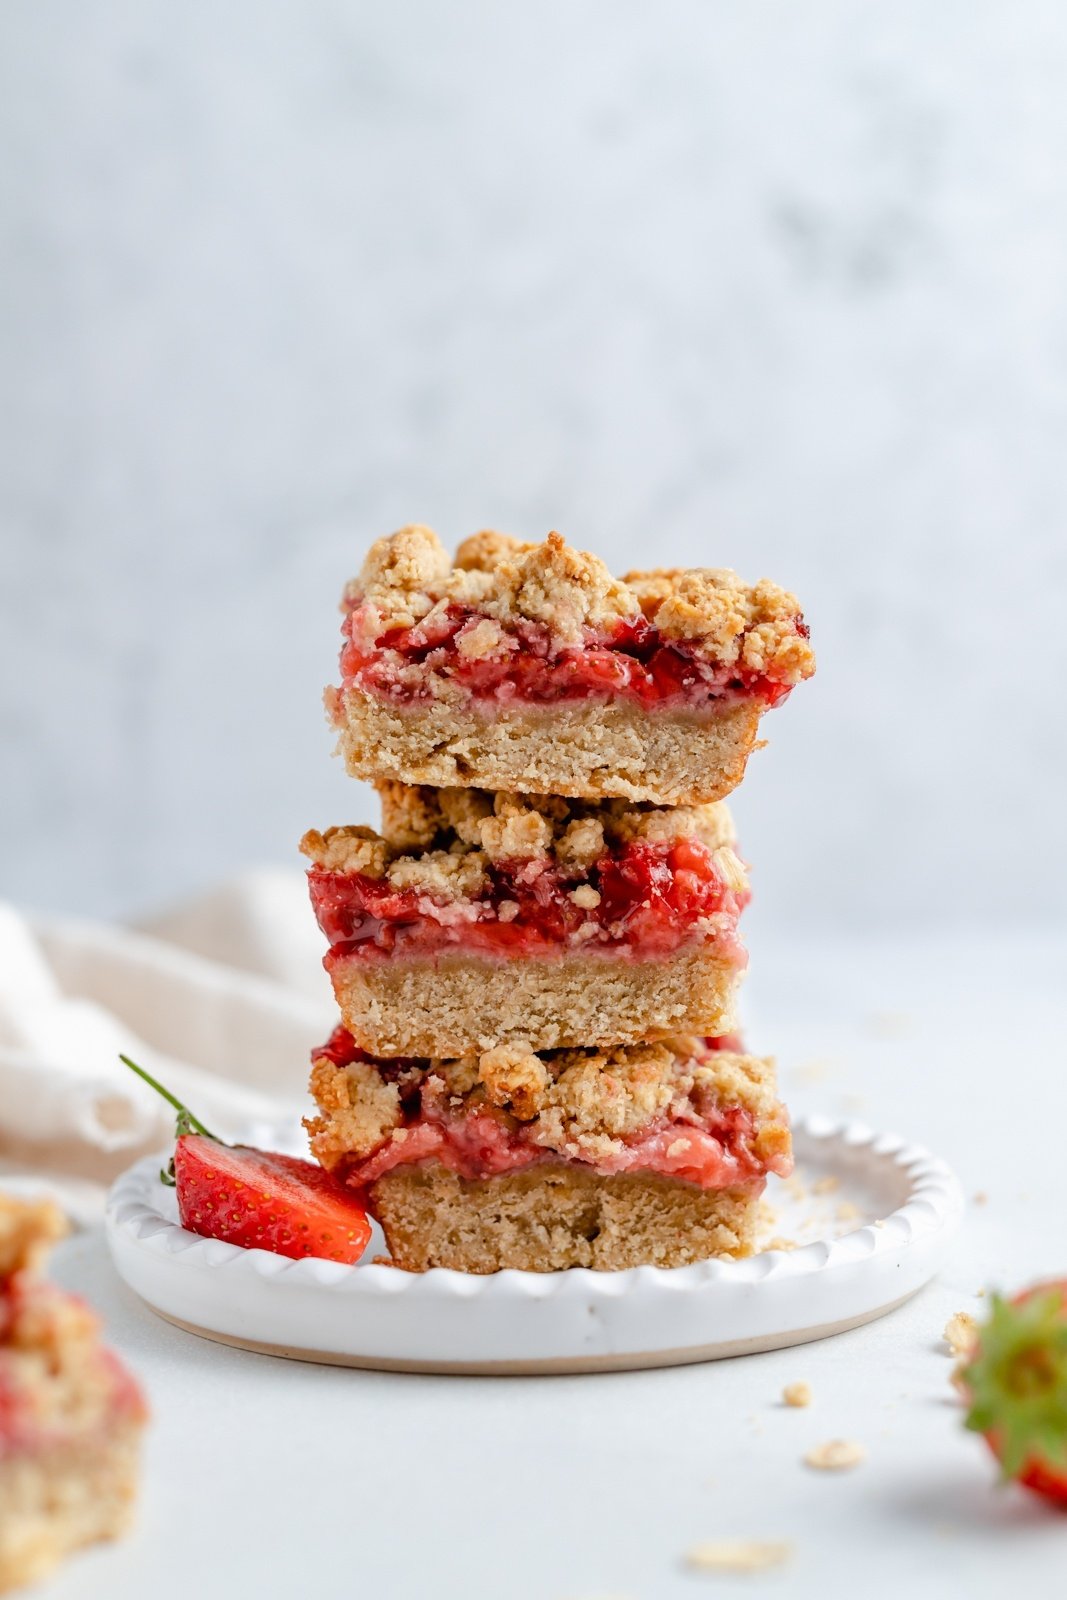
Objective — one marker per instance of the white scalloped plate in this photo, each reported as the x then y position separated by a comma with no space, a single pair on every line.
871,1217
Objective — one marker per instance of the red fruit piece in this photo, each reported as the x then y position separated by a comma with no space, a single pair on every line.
1017,1386
265,1201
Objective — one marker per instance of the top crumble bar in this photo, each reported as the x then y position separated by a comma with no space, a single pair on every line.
529,667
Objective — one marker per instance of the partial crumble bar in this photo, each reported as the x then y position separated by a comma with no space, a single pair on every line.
540,1160
529,667
476,918
71,1417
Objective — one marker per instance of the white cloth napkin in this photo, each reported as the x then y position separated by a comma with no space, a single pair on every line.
221,1000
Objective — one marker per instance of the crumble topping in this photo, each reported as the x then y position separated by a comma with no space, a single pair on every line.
797,1394
360,1107
440,873
408,576
514,1078
440,841
584,1103
354,849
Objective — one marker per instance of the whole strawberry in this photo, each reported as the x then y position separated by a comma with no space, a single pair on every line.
259,1199
1016,1382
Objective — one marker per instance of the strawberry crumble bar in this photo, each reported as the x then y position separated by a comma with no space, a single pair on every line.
529,667
476,919
602,1158
70,1415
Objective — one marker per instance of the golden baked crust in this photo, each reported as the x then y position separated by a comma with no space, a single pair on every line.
440,841
550,1218
572,593
585,749
583,1105
459,1004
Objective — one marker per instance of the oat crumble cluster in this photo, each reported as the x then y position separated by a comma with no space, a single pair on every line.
585,1104
408,580
536,953
442,841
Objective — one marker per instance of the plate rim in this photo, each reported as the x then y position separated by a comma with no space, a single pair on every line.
934,1205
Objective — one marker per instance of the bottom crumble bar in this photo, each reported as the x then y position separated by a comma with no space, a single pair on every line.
655,1153
547,1219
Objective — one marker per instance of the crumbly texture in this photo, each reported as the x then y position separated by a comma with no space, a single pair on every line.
70,1417
441,841
73,1495
572,593
797,1394
549,1218
458,1006
588,749
581,1104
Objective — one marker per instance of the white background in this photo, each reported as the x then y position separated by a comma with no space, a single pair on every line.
775,286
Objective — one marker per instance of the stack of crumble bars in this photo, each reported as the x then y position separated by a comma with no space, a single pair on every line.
536,958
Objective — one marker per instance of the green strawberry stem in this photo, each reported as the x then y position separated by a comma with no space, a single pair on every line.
1018,1380
186,1122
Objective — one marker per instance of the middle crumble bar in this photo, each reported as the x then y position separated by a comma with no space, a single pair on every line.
477,919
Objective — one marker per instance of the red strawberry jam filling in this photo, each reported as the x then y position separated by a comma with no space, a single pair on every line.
713,1148
655,898
633,661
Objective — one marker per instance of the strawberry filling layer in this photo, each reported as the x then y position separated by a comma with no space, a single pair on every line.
655,898
477,1146
713,1149
634,661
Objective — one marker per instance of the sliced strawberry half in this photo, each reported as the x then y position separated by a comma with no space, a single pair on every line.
1016,1382
259,1199
266,1201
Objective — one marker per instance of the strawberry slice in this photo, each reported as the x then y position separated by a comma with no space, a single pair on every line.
259,1199
1016,1382
266,1201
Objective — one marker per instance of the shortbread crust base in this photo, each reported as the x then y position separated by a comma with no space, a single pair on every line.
69,1495
456,1005
548,1218
585,750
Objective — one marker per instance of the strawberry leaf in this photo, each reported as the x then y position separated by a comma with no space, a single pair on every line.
185,1122
1018,1381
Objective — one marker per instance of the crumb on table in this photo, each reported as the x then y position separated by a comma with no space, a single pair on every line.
961,1333
836,1455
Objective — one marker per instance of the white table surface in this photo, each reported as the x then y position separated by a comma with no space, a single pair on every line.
273,1479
